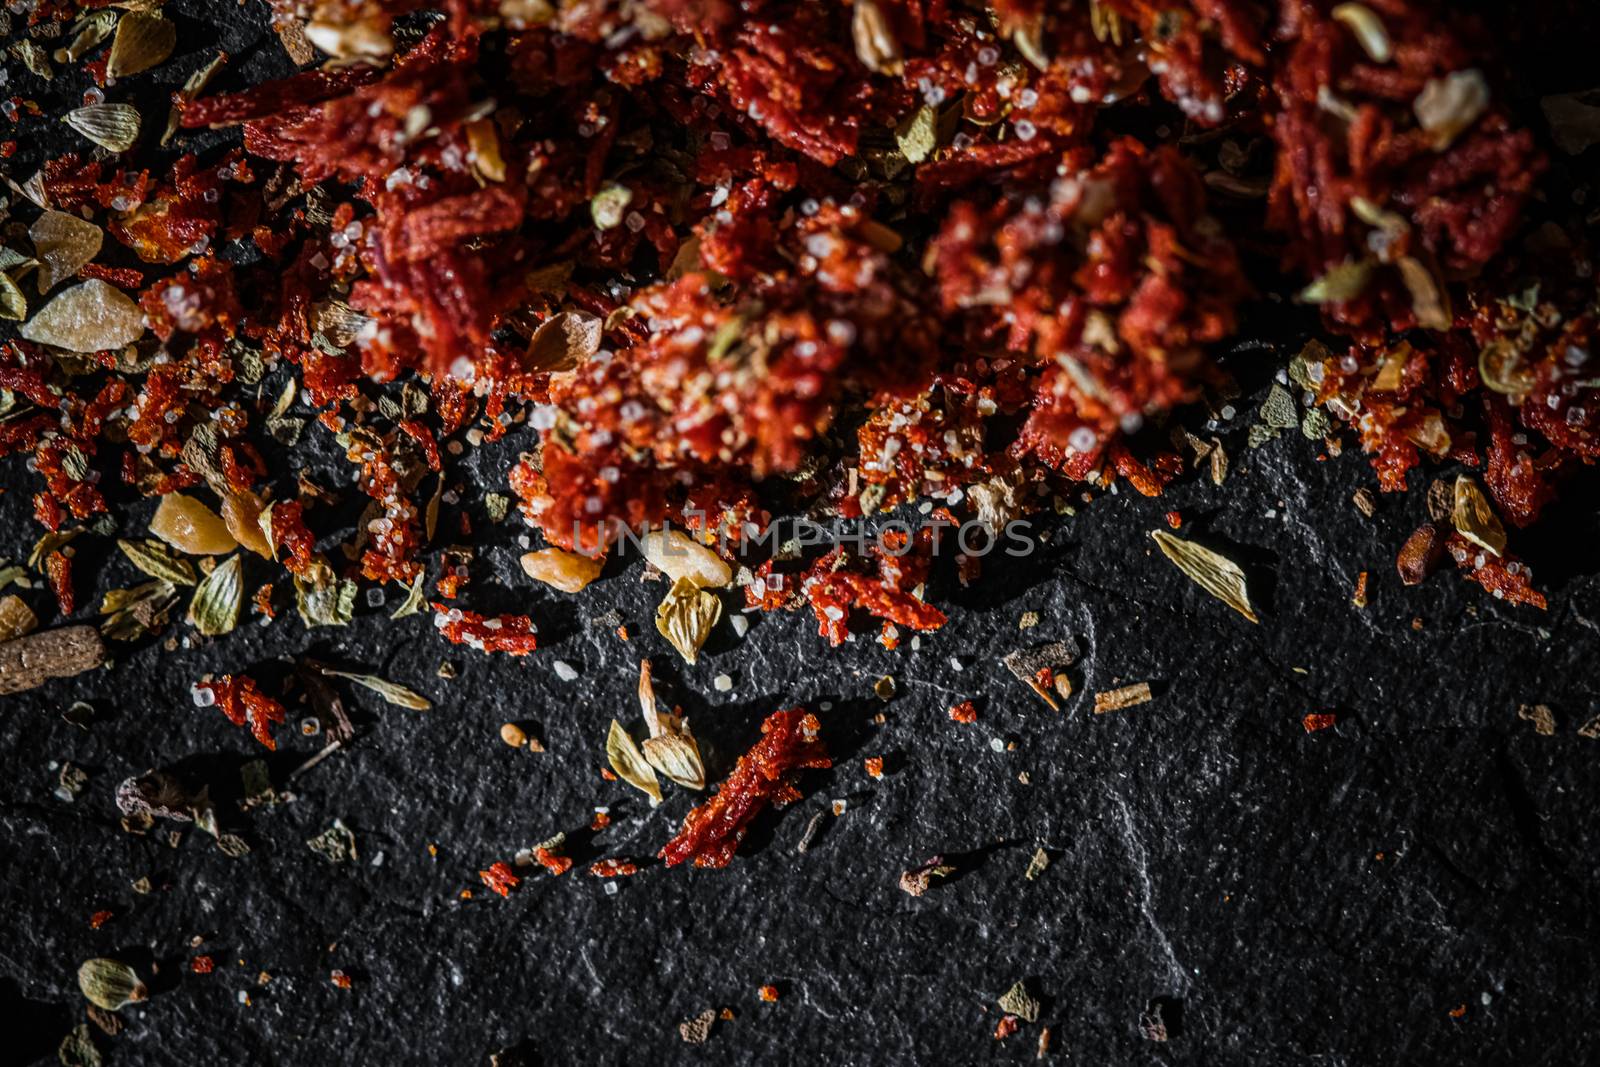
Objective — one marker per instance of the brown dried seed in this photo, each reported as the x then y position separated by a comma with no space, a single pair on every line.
1420,554
564,341
29,661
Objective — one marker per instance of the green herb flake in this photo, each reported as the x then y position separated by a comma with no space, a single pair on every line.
214,611
158,561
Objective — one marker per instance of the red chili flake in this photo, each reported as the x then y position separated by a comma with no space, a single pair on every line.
263,601
58,568
424,437
243,703
500,878
614,868
293,537
202,965
605,772
1175,519
121,277
99,919
964,712
1505,577
556,864
512,634
765,775
1007,1026
1359,597
1315,721
600,821
874,766
768,993
1458,1012
340,979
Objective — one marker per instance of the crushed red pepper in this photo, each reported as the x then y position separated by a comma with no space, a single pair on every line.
500,878
241,700
765,775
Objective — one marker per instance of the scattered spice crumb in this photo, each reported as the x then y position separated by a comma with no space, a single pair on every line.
1543,719
1126,697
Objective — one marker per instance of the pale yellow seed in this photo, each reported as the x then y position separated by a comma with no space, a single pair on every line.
560,569
513,735
189,526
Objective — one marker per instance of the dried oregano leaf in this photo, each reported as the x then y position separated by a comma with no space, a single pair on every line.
328,604
608,205
13,305
78,1049
393,692
54,541
214,611
1475,519
33,57
918,134
629,763
132,613
677,757
1037,865
87,32
336,844
413,601
114,127
110,984
158,561
1342,282
1019,1002
686,616
144,39
1211,571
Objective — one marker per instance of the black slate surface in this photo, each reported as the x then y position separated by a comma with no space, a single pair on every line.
1415,885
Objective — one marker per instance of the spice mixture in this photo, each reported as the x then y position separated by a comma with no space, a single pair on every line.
719,263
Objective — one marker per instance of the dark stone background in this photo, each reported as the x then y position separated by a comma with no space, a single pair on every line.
1287,898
